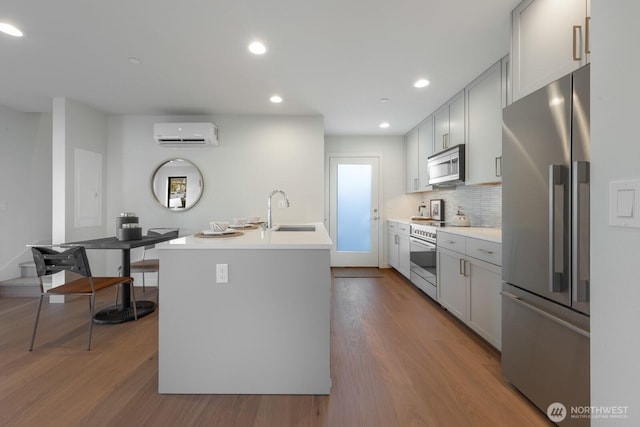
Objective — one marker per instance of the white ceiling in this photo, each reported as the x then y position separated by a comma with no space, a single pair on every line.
335,58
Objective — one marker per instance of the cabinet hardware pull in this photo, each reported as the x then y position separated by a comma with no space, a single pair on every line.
498,166
397,239
463,267
587,35
576,56
486,251
415,183
445,140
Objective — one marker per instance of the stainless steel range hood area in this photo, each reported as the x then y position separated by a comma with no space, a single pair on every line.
447,168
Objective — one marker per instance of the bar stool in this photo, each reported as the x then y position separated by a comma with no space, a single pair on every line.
149,265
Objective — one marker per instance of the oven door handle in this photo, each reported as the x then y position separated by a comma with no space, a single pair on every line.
420,242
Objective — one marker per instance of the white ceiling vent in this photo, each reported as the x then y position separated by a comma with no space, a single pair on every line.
186,134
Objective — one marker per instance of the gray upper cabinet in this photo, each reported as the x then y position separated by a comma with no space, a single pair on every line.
425,149
418,146
485,100
441,128
412,157
449,124
549,39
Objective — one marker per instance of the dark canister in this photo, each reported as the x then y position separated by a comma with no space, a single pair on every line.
129,231
128,227
126,218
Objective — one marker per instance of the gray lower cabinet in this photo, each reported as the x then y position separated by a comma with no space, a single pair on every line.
469,281
404,257
392,244
452,283
398,247
485,303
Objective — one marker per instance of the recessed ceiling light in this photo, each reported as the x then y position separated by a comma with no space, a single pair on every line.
384,99
384,125
275,99
421,83
10,29
134,61
257,48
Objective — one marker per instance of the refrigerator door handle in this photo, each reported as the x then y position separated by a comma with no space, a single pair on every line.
556,237
543,313
580,231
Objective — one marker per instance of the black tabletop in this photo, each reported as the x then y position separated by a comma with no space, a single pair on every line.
114,243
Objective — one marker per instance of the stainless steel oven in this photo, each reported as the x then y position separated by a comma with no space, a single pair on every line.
422,244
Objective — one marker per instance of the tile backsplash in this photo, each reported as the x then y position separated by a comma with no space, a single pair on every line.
481,203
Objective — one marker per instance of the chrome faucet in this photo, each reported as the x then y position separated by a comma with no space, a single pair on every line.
286,204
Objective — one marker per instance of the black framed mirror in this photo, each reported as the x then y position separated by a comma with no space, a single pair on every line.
177,184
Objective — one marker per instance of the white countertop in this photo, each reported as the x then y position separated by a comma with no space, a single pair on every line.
484,233
257,239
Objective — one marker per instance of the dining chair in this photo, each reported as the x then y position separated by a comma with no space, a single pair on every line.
149,265
50,261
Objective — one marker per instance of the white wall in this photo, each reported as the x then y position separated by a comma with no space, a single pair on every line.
256,155
25,173
615,251
76,126
395,203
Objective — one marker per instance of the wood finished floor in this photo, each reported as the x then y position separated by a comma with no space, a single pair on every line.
397,359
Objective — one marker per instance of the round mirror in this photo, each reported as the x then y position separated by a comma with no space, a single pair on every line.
177,184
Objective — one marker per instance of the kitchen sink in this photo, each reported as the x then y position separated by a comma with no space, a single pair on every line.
296,228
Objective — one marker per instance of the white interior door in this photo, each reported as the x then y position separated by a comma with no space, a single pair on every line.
353,211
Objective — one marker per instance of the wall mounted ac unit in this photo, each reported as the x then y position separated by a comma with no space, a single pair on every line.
186,134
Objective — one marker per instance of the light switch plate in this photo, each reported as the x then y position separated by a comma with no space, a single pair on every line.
624,203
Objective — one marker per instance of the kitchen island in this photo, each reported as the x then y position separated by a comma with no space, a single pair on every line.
264,331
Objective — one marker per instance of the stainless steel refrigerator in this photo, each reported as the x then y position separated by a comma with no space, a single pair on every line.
545,238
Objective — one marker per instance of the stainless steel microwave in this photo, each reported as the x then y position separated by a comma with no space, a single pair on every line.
447,167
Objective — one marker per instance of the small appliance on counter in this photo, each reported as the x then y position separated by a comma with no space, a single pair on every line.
423,211
460,219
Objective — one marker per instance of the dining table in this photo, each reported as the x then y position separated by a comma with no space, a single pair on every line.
123,312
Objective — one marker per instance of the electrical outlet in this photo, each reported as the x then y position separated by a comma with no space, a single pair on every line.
222,273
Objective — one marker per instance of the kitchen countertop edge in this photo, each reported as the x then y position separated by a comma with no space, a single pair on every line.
484,233
256,239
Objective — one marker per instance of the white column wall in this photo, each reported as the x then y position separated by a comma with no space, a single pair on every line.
76,126
615,251
25,200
